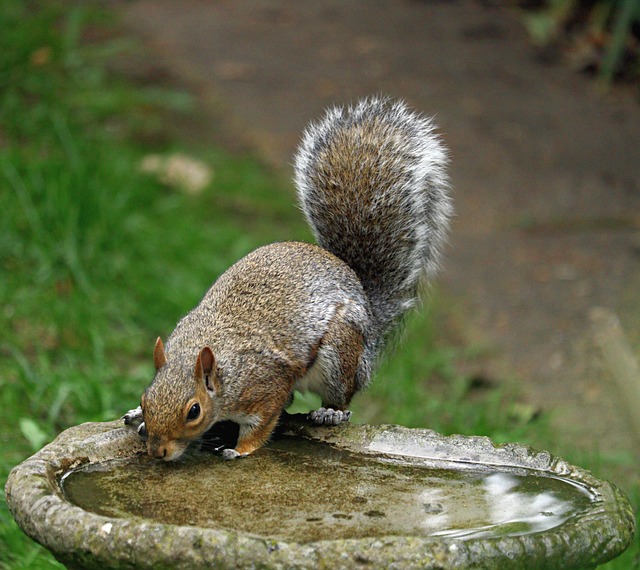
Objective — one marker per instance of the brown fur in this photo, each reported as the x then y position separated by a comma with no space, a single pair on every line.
262,323
288,316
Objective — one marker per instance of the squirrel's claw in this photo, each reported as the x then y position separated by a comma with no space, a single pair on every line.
142,431
133,417
329,416
229,454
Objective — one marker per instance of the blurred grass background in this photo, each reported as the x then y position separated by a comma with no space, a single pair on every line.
601,37
97,258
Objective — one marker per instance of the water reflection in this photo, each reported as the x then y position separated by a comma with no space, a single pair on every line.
515,508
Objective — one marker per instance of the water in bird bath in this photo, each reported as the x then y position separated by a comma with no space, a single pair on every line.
303,491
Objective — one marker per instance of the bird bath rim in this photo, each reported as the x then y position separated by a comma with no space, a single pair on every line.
83,539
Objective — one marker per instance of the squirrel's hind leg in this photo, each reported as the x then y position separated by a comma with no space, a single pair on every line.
329,416
338,372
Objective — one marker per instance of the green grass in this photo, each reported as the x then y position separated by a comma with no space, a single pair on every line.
97,259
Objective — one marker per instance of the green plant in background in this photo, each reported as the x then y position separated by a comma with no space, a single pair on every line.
96,258
624,14
610,29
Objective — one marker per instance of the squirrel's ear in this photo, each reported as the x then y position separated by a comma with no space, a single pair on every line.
206,370
159,357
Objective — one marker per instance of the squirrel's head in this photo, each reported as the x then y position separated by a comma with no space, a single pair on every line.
179,405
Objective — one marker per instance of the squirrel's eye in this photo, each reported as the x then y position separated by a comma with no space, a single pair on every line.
194,412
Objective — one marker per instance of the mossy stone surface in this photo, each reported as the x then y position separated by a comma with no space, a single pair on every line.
377,497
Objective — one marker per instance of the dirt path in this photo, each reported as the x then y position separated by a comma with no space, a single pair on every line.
546,172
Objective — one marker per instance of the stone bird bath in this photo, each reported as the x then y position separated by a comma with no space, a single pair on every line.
353,496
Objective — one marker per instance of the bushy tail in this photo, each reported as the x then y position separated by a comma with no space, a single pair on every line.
372,183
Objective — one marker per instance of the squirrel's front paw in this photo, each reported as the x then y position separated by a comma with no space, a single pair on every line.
229,454
329,416
133,417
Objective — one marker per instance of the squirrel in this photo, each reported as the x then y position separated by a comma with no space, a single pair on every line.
371,180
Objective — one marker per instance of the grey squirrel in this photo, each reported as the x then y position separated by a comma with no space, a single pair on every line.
372,183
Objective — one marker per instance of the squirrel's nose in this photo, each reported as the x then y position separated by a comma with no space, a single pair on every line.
157,451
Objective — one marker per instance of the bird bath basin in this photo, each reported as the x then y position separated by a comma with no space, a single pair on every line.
343,497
